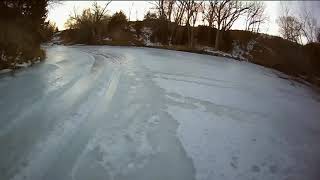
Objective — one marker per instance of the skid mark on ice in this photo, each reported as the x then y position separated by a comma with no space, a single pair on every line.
110,57
219,110
51,84
195,82
96,115
35,106
201,78
123,144
46,152
98,63
58,90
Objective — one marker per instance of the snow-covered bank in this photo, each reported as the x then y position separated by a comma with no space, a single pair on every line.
18,66
3,71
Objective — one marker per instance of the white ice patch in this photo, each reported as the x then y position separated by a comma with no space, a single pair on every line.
222,148
259,99
245,132
123,152
154,120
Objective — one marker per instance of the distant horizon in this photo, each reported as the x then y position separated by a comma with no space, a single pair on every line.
135,10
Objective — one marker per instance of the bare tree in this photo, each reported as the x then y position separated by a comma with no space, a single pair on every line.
91,18
169,8
99,13
309,25
178,12
318,35
225,13
208,13
197,9
290,28
256,16
159,6
130,11
96,16
192,9
164,8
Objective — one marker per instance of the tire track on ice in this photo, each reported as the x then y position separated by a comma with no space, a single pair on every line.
45,153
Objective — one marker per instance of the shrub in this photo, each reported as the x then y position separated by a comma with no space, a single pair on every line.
312,50
20,36
138,25
206,35
150,19
47,31
118,21
89,27
159,26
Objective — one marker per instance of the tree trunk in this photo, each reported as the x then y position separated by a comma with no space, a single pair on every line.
189,35
93,37
173,34
209,33
191,38
168,34
209,36
216,45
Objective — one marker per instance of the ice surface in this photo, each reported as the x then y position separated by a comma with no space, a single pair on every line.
245,129
100,112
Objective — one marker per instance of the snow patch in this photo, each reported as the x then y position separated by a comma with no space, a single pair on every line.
3,71
243,52
107,39
146,37
214,52
24,64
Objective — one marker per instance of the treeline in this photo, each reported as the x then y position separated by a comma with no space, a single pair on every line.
171,22
93,25
218,17
188,25
176,22
23,28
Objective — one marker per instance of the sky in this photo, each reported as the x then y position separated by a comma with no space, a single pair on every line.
60,12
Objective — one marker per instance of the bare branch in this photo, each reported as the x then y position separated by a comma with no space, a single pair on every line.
255,16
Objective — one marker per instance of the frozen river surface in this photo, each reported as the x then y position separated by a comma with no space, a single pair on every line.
118,113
